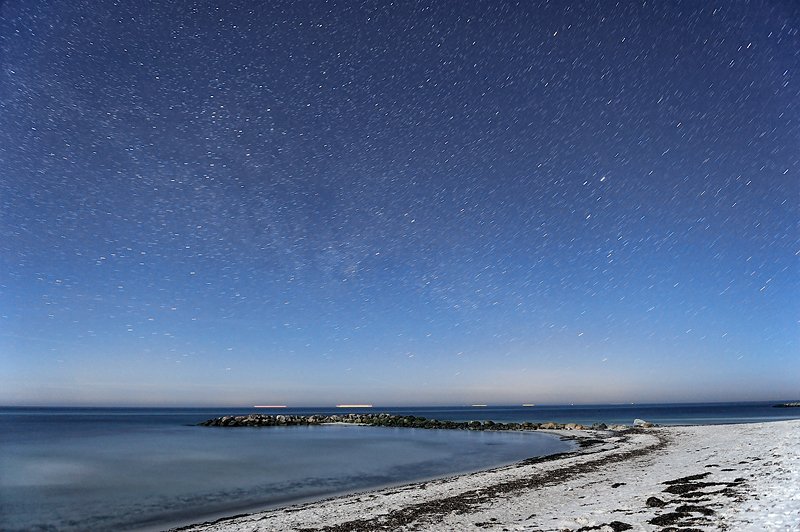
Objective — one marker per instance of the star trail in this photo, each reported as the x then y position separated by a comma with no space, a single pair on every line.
398,202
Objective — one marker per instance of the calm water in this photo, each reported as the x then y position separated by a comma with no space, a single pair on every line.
132,469
116,469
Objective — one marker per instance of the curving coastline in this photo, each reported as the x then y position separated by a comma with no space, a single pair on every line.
713,477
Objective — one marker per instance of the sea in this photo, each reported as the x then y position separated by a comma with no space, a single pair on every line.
146,469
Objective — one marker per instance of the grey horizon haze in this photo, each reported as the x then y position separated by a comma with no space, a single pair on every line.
398,203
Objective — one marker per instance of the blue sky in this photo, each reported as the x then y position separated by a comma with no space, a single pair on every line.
411,203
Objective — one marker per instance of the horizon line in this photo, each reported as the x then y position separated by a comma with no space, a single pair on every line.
396,406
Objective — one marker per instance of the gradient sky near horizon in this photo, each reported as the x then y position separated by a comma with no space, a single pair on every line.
398,203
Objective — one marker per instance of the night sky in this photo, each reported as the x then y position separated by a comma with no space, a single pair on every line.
398,203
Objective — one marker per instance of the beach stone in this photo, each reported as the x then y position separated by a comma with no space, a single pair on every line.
654,502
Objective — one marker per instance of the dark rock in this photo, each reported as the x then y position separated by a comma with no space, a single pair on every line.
654,502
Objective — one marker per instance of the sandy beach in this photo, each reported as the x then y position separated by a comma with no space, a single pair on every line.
711,477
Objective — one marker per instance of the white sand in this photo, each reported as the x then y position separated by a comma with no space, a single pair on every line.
751,481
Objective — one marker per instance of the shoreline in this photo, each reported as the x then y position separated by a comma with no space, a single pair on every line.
743,476
189,522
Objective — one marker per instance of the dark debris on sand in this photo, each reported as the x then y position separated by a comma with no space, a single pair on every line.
685,516
465,502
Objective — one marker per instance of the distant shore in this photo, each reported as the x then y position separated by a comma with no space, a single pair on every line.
744,477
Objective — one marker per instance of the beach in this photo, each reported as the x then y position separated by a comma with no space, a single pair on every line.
702,477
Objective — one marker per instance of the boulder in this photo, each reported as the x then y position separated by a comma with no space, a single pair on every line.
655,502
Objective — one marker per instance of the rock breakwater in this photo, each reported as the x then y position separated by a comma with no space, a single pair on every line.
388,420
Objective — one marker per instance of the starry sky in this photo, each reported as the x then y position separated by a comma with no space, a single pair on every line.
398,203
